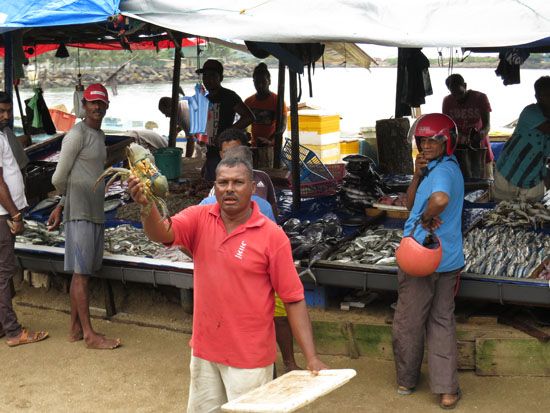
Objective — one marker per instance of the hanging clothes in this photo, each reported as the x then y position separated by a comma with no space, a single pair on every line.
508,67
413,81
38,113
198,110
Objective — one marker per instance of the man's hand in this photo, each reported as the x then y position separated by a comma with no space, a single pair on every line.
419,164
16,227
135,187
430,224
315,365
54,219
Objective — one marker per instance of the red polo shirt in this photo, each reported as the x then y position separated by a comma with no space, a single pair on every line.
234,279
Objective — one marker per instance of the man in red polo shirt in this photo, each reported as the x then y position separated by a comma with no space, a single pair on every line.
240,258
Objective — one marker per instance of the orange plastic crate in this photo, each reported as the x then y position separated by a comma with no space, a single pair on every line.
63,121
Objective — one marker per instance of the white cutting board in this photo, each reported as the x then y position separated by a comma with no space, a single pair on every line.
289,392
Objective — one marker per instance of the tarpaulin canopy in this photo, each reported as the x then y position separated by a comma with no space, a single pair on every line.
17,14
403,23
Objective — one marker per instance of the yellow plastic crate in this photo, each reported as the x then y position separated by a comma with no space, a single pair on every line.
312,121
349,147
326,153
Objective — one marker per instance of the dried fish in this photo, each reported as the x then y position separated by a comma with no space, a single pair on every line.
516,214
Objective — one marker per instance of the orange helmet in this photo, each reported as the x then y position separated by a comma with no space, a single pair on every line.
418,260
435,126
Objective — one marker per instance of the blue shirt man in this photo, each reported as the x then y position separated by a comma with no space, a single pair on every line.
443,175
265,207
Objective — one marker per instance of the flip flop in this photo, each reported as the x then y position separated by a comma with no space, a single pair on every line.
27,337
452,405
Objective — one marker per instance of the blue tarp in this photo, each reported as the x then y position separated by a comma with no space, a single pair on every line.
15,14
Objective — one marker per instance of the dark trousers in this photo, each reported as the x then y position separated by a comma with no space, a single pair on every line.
8,319
211,162
425,313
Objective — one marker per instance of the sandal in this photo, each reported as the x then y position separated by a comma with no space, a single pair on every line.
27,337
404,391
449,401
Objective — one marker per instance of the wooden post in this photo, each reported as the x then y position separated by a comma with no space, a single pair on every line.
295,139
175,91
186,299
280,105
394,149
8,66
110,308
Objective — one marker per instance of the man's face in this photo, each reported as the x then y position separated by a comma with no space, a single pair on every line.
95,110
234,188
211,80
228,145
261,83
431,148
543,97
6,114
458,89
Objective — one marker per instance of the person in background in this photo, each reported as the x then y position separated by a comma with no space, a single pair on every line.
232,138
520,169
283,332
264,106
471,111
182,123
81,162
224,105
425,305
240,258
12,205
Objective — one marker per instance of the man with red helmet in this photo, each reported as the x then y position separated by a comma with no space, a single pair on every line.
425,306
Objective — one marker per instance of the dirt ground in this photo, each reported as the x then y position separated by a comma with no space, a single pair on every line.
149,373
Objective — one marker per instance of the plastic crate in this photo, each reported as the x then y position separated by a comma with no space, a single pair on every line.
315,296
63,121
325,187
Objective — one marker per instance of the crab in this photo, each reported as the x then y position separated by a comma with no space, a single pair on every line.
155,185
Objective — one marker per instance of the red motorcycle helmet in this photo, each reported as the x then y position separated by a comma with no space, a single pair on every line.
418,260
435,126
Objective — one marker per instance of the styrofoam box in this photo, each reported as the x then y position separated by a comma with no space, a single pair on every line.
315,138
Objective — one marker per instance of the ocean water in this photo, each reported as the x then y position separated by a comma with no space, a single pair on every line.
359,96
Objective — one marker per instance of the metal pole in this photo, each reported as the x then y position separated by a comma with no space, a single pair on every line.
8,66
280,104
175,91
295,139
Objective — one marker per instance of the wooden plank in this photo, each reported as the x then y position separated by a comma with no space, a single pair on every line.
512,357
330,338
466,355
290,392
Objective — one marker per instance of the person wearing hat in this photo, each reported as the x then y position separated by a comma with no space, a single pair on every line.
81,162
425,304
224,105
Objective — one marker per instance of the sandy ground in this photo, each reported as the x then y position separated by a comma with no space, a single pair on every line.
150,374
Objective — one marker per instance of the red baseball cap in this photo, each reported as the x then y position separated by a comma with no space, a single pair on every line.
96,91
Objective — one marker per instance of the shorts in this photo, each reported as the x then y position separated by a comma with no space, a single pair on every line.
280,310
84,244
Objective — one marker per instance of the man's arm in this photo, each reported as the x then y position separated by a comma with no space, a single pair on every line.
7,203
300,323
419,165
70,149
485,124
246,117
153,225
436,205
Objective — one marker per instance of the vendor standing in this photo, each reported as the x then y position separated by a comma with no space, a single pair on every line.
470,110
264,106
224,105
520,169
425,305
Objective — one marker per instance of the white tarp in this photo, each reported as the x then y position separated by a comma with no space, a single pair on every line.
405,23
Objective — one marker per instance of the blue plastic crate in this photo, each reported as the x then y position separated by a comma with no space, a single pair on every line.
316,296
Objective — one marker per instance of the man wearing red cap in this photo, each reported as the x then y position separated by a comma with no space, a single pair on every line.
224,105
81,162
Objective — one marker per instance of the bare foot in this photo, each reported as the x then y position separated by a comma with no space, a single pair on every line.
99,342
75,336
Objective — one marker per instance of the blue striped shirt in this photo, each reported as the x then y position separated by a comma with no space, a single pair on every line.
522,160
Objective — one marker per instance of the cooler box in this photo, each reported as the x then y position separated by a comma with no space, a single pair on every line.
326,153
63,121
319,139
349,147
317,121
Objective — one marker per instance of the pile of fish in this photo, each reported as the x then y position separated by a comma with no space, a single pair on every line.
518,213
306,236
37,233
129,240
504,251
544,273
546,200
374,246
362,185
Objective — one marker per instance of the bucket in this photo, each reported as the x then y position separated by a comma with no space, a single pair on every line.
168,161
472,162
